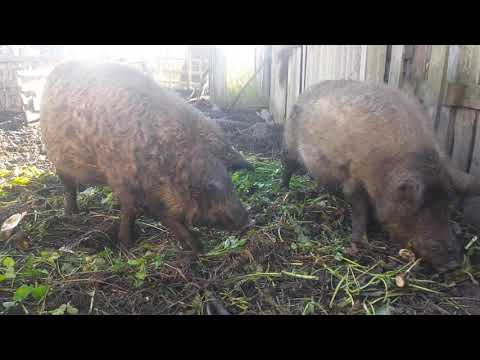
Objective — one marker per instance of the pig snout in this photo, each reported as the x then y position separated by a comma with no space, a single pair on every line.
240,218
248,225
232,217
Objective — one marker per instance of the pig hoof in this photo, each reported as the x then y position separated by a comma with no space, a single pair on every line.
353,250
70,215
124,250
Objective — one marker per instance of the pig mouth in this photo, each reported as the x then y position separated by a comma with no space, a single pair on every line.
228,224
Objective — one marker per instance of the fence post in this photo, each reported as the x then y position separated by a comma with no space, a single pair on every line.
218,73
436,76
395,78
372,65
278,91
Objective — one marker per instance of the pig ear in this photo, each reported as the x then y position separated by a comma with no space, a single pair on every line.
463,183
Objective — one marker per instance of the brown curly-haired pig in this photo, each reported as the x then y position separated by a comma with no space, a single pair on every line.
375,143
108,124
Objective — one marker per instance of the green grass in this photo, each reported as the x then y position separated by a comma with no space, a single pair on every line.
293,261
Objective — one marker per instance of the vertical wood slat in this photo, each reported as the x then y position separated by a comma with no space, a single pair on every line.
446,120
475,164
469,72
372,64
328,63
396,66
218,85
342,70
420,59
278,92
436,76
304,67
470,64
462,143
266,72
294,72
446,128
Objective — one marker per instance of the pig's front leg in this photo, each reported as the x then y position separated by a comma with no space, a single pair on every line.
70,187
183,235
128,214
358,199
290,166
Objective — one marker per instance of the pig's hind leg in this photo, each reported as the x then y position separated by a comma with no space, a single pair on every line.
128,215
290,167
70,194
358,198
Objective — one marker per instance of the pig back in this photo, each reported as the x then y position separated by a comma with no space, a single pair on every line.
102,121
346,128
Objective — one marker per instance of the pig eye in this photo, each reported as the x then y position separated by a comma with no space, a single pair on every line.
213,187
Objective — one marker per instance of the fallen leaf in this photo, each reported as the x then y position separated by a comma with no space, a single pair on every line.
400,280
39,292
10,224
407,254
22,293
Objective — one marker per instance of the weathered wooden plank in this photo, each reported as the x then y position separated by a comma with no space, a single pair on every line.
218,82
328,63
363,62
446,119
11,100
266,72
475,163
372,64
356,59
294,72
304,67
333,62
462,95
469,71
463,138
310,65
342,62
469,74
396,66
419,64
436,76
278,92
445,130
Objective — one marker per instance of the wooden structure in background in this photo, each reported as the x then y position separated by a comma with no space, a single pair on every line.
10,91
218,77
310,64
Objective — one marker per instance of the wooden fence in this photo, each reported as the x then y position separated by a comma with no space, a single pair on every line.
310,64
446,79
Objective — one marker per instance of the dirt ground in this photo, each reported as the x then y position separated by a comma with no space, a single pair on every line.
292,262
